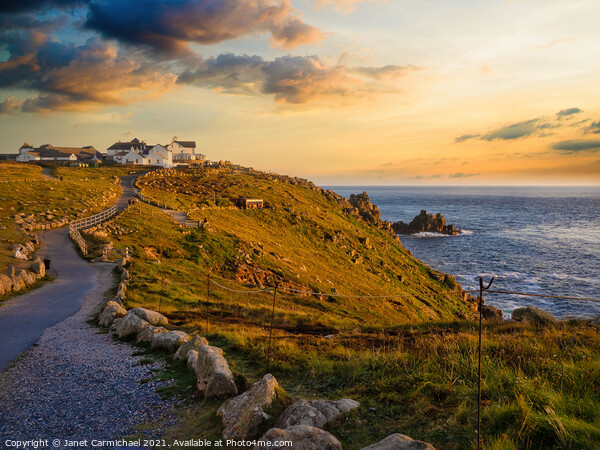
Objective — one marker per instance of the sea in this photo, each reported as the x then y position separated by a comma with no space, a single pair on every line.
532,240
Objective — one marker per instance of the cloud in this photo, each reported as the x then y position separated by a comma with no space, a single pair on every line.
12,6
555,42
168,26
514,131
291,79
466,137
577,145
10,104
462,175
344,5
594,127
568,112
70,77
389,72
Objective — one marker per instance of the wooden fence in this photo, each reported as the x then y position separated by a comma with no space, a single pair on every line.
112,254
87,222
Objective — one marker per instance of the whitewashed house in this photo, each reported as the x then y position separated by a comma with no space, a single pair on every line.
184,151
133,157
139,153
159,156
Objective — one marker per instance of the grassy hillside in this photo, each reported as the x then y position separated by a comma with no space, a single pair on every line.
304,239
407,355
82,191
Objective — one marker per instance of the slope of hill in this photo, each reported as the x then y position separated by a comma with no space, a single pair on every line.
305,239
405,354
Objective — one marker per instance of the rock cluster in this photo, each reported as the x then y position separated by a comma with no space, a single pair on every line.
43,221
214,377
16,279
424,222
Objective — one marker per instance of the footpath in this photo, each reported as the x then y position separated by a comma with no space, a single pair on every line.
72,381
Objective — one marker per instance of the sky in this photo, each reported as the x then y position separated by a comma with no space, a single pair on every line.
342,92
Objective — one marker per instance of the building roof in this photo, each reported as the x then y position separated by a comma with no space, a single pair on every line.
187,144
50,151
135,143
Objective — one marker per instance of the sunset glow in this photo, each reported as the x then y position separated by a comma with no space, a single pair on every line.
391,92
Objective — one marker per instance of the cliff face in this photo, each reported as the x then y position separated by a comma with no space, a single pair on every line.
424,222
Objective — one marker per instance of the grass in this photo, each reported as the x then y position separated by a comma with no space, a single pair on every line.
411,361
81,192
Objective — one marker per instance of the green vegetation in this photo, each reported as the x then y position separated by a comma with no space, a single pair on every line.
82,191
411,361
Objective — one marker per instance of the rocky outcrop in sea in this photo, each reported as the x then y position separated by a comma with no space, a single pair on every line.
423,222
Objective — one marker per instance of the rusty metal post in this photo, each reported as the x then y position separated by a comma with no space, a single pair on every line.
207,298
271,327
480,304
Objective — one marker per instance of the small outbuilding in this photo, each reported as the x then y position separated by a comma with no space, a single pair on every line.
249,203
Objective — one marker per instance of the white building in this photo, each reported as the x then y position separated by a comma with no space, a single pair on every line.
184,151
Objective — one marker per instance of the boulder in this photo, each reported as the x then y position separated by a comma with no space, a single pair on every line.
193,344
399,441
489,312
303,437
192,359
152,317
315,413
169,341
38,267
533,315
214,377
5,284
131,324
147,334
111,311
243,415
115,325
27,277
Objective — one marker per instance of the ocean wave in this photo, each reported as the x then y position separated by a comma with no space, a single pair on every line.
431,234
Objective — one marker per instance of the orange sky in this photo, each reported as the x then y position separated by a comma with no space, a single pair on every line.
341,92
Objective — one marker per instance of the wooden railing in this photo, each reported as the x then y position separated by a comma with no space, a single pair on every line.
90,221
111,254
87,222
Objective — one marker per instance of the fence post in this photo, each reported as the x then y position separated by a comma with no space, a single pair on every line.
207,298
480,304
271,327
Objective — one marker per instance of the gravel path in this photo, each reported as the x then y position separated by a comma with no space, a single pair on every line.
78,383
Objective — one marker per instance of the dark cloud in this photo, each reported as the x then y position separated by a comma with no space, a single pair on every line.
291,79
577,145
594,127
168,26
568,112
466,137
14,6
514,131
